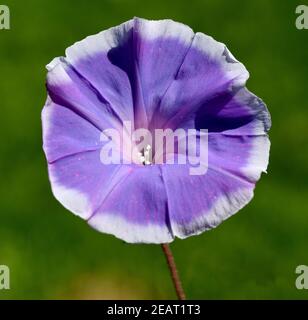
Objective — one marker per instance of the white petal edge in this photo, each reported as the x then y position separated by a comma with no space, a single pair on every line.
100,42
46,122
258,158
110,38
219,52
151,30
167,28
130,232
73,200
53,63
223,208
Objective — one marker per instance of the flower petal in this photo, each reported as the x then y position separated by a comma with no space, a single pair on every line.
206,72
236,112
132,65
160,48
66,133
136,209
66,87
80,181
91,59
215,197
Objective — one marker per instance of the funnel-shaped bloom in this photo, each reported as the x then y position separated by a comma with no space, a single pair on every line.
156,74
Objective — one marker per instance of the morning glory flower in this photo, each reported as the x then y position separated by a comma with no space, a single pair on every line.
155,75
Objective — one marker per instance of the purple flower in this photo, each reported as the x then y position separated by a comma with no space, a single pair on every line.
156,74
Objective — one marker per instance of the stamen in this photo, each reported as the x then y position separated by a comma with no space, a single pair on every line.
146,156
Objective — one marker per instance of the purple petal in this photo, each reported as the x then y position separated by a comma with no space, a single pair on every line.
133,65
136,209
66,133
67,88
212,198
81,182
206,72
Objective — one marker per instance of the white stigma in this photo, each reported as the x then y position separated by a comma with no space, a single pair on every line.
146,156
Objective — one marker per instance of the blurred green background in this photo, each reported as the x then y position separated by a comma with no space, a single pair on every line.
53,254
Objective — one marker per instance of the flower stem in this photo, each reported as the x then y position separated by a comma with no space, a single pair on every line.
173,271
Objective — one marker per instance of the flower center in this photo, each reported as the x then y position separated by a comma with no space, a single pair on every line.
145,155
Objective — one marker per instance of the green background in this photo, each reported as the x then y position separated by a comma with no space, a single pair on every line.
53,254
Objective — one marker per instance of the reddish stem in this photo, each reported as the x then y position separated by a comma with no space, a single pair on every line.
173,271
